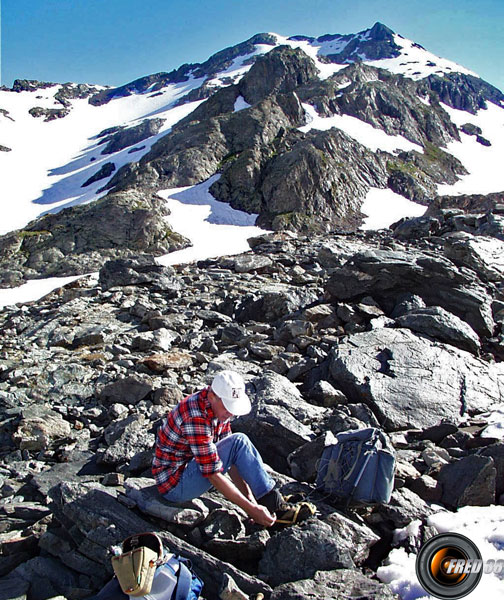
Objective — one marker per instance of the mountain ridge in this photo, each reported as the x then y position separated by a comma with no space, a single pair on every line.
246,114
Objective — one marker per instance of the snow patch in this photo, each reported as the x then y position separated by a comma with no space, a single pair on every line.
240,104
214,228
484,163
384,207
369,136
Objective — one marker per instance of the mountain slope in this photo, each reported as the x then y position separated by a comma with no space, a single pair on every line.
259,114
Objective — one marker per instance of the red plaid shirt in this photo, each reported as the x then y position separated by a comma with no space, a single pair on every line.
189,431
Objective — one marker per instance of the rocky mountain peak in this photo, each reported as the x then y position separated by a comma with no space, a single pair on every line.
380,32
281,70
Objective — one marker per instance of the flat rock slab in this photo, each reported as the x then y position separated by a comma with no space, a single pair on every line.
412,382
146,495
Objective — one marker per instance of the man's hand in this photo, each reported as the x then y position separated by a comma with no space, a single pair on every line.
260,514
255,511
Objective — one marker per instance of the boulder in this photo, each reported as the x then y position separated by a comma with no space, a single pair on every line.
334,585
480,253
276,423
141,270
411,382
470,481
303,462
299,552
146,496
39,432
438,323
128,390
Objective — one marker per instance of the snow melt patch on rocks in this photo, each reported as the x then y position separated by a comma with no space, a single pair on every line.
367,135
484,163
384,207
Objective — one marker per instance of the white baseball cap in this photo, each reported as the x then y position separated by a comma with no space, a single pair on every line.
230,388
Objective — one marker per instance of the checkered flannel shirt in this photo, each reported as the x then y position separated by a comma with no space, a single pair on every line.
189,431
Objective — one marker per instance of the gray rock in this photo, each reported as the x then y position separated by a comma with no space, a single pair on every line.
47,577
141,270
299,552
469,481
334,585
303,461
482,254
224,524
404,506
274,425
384,274
14,588
324,394
146,496
134,439
438,323
245,549
40,432
247,263
129,391
132,135
409,381
496,452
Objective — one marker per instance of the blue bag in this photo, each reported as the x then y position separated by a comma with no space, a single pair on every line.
359,468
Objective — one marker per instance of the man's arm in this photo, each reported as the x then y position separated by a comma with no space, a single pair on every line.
241,484
228,489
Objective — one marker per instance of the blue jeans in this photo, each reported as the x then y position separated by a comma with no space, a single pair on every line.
236,449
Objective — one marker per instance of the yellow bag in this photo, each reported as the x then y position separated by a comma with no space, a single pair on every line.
136,566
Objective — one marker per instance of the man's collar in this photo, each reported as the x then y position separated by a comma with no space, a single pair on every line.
206,403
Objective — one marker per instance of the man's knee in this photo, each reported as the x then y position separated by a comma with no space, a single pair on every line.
241,439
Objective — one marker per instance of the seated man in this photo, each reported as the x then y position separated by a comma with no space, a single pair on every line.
195,447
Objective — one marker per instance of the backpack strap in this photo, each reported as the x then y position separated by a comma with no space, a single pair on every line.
184,581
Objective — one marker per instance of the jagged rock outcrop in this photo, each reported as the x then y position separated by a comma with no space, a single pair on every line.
49,114
194,151
305,183
131,135
463,91
65,244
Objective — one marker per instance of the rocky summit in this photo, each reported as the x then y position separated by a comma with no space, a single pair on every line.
333,328
331,332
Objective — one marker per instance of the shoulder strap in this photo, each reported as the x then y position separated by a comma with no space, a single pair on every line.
184,581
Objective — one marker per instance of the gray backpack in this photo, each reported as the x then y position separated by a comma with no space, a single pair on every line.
359,468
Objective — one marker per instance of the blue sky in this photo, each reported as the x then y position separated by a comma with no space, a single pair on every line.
115,41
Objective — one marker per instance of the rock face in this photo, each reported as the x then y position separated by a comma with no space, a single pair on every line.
386,368
133,135
64,244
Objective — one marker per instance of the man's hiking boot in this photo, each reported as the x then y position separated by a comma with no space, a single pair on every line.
287,509
291,513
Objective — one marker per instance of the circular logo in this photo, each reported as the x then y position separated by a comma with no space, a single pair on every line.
449,566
